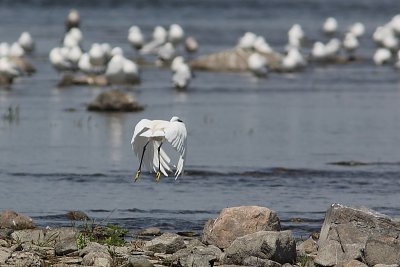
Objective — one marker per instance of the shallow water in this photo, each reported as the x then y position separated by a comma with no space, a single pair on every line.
251,142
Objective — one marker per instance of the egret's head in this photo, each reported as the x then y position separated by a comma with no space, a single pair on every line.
175,118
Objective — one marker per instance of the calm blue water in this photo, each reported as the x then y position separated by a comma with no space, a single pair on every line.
251,142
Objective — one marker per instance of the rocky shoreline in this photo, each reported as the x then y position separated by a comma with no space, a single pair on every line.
239,236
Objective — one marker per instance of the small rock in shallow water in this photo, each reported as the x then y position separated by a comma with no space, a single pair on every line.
114,100
77,215
13,220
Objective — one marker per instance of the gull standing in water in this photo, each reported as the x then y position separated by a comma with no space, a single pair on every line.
330,26
149,136
26,42
135,37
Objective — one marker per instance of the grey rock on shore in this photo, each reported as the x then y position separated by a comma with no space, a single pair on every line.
235,222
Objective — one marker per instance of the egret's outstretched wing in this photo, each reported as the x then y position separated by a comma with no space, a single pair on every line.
176,135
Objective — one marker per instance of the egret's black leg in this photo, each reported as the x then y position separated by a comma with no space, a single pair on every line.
159,163
141,160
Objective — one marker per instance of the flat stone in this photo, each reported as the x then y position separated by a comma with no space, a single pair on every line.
309,246
34,236
24,258
166,243
269,245
13,220
93,247
5,253
99,259
66,246
382,250
352,263
71,260
257,262
235,222
139,261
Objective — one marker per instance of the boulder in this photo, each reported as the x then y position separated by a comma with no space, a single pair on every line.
268,245
166,243
382,250
114,100
98,259
13,220
139,261
35,236
234,59
346,230
235,222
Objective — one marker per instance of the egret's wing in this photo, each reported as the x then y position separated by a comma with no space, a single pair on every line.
141,127
176,135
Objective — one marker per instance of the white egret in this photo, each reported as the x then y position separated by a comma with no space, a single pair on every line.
160,36
16,50
318,51
149,136
166,52
330,26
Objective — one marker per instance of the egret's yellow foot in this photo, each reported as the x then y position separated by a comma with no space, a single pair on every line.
137,176
158,174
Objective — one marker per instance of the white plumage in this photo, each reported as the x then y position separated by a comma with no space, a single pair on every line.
382,56
149,136
257,64
26,42
135,37
175,34
247,40
330,26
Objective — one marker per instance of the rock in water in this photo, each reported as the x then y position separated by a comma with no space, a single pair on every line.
13,220
114,100
279,247
239,221
232,60
345,232
84,80
77,215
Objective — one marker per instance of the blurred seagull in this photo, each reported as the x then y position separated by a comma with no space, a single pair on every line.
247,40
73,19
330,26
149,136
257,64
135,37
175,34
358,29
160,36
26,42
181,74
382,56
